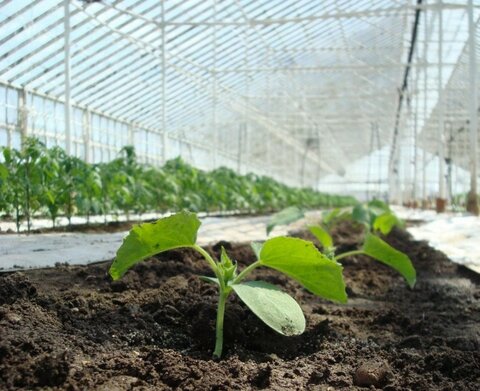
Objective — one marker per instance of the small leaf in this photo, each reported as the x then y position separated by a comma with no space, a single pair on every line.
276,308
383,252
225,259
146,240
322,236
229,268
284,217
301,260
361,215
211,280
385,222
256,247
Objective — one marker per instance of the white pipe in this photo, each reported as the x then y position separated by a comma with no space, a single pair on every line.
425,103
214,90
441,108
68,103
473,101
164,88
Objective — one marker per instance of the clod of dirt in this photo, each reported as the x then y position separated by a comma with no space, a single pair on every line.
16,286
372,374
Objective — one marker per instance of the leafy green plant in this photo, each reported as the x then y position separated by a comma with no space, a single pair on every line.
375,248
25,180
40,180
375,216
297,258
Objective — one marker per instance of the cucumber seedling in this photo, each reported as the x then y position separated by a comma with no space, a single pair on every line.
297,258
375,216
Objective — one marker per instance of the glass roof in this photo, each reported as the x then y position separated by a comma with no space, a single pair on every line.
311,79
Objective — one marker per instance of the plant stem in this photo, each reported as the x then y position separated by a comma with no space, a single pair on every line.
349,254
222,297
210,261
246,271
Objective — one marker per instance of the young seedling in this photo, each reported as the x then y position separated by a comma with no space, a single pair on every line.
375,216
297,258
375,248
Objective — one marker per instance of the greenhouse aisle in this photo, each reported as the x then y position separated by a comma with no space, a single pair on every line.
43,250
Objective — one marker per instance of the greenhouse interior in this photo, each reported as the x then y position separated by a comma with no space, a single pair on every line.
239,195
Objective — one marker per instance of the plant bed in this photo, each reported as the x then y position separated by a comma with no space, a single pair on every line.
73,328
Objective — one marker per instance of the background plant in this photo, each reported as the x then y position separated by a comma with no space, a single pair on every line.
375,216
46,181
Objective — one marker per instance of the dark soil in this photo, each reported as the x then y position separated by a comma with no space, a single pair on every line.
73,328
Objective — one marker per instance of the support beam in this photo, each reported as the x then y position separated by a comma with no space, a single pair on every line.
87,138
22,116
393,162
164,88
68,103
214,90
472,201
441,199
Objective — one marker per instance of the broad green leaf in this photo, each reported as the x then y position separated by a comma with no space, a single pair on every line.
383,252
285,216
301,260
276,308
256,247
146,240
322,236
385,222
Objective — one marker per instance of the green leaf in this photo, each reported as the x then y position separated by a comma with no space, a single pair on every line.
3,171
322,236
301,260
229,268
211,280
276,308
146,240
256,247
383,252
385,222
284,217
361,215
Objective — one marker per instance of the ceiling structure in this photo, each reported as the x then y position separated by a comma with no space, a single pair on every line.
295,89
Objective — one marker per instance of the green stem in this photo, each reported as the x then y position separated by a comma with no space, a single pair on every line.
246,271
209,259
349,254
222,298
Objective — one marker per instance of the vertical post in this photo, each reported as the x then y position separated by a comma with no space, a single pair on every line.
68,103
425,102
441,201
22,116
240,146
415,135
164,88
472,202
266,141
131,140
214,88
86,135
248,133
